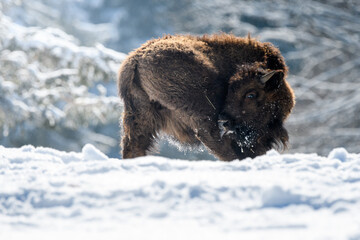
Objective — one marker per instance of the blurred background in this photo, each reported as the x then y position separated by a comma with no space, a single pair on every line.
59,59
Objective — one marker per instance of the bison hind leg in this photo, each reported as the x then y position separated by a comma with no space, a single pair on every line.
141,123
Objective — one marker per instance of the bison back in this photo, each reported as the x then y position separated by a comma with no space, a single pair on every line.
181,78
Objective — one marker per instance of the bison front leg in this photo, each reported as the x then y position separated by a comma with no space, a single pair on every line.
221,147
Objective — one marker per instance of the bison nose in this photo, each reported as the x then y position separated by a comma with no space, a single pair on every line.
223,126
223,123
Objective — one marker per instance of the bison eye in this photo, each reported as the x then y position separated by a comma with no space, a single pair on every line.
251,95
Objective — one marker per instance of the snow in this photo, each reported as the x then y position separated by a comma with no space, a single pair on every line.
58,89
49,193
59,60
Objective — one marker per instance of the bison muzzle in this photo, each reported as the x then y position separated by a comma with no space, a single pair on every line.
226,92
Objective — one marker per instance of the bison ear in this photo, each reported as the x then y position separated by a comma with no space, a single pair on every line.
267,77
272,80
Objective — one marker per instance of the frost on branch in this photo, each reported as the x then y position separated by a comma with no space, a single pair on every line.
54,93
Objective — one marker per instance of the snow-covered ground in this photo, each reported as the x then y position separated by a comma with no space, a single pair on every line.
59,90
46,193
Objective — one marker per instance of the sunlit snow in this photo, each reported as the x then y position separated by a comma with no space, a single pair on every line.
66,194
58,89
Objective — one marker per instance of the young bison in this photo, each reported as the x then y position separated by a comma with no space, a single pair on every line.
226,92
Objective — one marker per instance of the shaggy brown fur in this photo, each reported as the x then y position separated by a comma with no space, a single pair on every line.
205,90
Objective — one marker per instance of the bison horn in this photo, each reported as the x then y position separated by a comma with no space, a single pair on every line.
267,76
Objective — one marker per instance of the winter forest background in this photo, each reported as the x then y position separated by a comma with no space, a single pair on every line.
59,60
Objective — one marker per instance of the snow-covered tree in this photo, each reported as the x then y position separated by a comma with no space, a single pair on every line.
55,93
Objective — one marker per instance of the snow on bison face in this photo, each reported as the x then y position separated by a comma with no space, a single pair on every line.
257,103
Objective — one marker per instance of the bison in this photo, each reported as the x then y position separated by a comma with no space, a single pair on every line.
226,92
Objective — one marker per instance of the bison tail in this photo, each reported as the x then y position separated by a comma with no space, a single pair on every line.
127,77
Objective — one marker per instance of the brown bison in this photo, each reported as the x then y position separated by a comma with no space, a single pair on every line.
226,92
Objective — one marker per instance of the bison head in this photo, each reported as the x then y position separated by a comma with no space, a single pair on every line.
257,103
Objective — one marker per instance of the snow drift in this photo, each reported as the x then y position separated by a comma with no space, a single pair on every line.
45,192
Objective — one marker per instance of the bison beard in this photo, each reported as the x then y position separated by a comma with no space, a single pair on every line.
226,92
